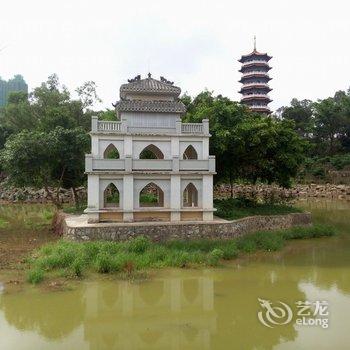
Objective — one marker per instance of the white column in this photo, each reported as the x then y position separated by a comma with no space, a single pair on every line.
207,200
205,147
128,197
127,146
93,198
178,126
205,123
93,192
94,146
175,147
94,123
175,197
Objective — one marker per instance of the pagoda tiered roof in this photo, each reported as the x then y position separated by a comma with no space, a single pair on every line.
253,86
257,97
149,85
150,106
255,53
254,79
150,95
256,75
255,64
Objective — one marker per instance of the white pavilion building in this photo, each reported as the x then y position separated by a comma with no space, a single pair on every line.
148,165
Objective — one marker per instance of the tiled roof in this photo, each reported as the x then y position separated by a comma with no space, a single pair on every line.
255,53
149,85
150,106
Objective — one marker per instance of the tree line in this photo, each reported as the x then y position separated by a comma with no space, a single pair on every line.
44,136
325,125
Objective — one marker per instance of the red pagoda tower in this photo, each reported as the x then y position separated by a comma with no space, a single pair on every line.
255,79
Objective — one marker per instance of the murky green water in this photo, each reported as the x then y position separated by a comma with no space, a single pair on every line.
196,309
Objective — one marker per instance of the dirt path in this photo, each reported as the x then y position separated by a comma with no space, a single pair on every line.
15,246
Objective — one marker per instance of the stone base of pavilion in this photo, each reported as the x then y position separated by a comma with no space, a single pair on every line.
77,228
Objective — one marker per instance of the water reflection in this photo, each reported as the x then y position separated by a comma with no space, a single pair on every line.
174,313
192,309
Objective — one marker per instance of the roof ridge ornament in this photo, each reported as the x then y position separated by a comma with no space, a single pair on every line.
137,78
163,80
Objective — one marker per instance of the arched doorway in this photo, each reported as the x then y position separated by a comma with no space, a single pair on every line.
151,152
151,196
190,196
111,152
111,196
190,153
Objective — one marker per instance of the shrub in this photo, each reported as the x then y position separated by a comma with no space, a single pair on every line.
229,250
78,267
308,232
104,263
269,241
179,259
139,244
35,276
214,256
246,244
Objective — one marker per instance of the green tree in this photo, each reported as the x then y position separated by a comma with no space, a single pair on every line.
329,124
108,114
302,115
266,149
52,160
247,146
18,114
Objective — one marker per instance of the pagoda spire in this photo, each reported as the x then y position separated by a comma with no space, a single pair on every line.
255,80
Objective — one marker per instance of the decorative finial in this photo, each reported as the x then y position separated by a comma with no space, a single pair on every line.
149,75
254,43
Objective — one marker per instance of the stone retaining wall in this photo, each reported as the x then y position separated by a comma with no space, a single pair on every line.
81,231
298,191
30,195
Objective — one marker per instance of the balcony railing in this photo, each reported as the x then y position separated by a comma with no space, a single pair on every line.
256,96
254,72
108,126
256,84
259,106
103,126
192,128
253,62
128,164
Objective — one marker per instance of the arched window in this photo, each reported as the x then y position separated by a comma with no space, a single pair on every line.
190,153
111,196
111,152
151,196
151,152
190,196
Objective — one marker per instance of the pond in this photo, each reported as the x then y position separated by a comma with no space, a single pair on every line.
198,309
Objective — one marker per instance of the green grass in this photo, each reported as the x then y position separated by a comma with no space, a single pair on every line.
3,223
232,209
76,259
72,209
21,216
35,276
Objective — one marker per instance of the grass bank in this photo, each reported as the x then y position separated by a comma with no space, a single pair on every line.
233,208
71,259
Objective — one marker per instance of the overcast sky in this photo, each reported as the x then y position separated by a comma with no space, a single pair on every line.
194,43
